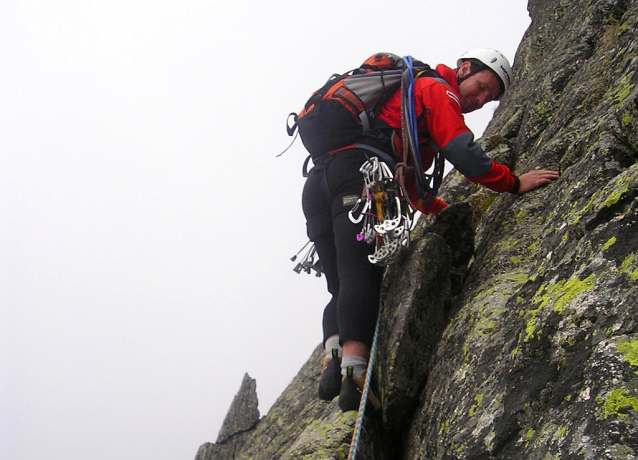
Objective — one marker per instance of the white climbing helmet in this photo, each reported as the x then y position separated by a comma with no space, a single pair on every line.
494,60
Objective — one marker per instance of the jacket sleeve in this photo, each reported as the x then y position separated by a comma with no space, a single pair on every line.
434,206
448,130
499,178
470,160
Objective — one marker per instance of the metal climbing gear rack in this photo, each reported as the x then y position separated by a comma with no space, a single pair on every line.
387,220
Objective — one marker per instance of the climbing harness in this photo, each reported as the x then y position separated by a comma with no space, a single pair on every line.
309,262
354,445
387,220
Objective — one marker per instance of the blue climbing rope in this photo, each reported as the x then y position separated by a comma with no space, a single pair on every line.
354,445
411,136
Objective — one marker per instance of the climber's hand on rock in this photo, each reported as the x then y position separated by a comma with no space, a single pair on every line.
535,178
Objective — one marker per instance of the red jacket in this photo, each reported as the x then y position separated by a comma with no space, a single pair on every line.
444,124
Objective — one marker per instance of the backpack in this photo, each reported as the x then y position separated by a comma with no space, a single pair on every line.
341,113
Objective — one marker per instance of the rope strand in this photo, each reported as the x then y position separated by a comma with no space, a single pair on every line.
354,445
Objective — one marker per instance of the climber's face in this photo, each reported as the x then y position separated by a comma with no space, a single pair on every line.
478,89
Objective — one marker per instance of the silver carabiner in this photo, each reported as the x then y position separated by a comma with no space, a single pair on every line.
356,220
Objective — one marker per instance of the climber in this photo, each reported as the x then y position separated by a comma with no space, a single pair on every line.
335,184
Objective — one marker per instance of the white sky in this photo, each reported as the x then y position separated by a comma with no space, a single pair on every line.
146,225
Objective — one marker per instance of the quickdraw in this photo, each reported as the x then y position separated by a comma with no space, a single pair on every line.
309,262
387,222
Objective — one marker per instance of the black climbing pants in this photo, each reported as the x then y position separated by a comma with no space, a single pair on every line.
329,193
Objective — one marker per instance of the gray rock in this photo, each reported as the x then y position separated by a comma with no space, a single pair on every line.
510,329
243,414
240,421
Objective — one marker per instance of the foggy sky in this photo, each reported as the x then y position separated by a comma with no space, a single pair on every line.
146,223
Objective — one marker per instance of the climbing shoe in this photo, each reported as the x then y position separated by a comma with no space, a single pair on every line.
351,391
330,383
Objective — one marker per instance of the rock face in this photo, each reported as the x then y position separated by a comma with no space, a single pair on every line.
240,421
510,329
243,414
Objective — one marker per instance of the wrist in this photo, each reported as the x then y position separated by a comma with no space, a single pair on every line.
517,185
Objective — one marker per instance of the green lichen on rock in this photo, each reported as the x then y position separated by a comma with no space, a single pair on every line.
563,292
561,431
558,295
572,288
482,201
529,435
618,192
609,243
486,316
532,325
622,90
478,399
626,265
606,197
629,351
618,403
